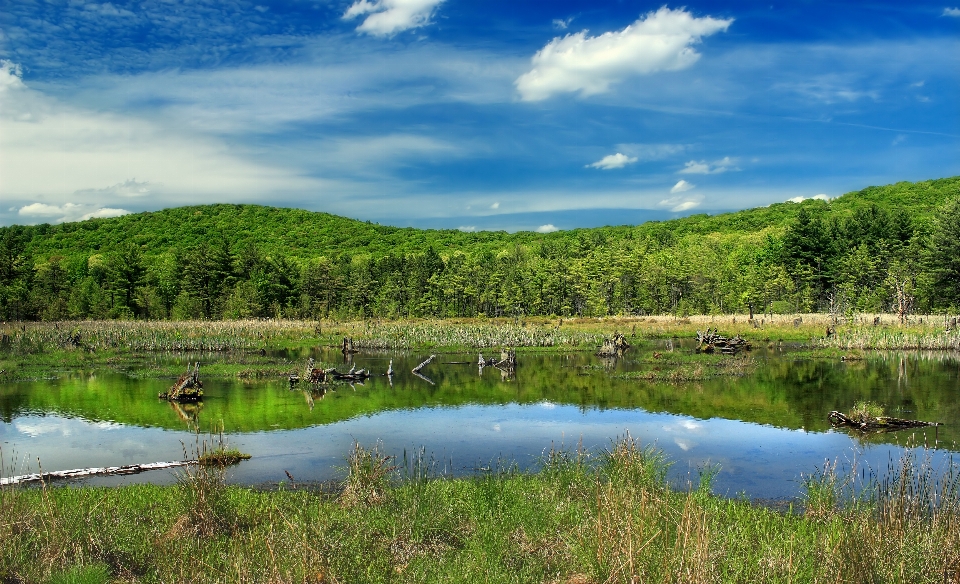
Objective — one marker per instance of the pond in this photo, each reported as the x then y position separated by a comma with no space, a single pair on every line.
761,430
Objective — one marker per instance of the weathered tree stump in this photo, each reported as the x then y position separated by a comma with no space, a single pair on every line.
188,387
712,341
614,347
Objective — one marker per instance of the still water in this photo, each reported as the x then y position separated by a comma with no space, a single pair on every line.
761,431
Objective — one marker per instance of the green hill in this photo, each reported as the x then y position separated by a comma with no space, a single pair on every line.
249,260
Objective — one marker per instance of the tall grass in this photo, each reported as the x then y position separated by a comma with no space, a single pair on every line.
584,517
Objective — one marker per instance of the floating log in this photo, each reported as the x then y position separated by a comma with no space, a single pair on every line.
877,424
424,364
96,471
188,387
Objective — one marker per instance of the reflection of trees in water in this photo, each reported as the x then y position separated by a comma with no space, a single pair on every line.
783,391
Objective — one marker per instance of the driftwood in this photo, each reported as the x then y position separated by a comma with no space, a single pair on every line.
80,473
712,341
424,364
614,347
188,387
877,424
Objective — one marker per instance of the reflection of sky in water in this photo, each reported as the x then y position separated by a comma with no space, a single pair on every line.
759,460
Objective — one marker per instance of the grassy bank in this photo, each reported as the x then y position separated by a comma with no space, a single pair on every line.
609,517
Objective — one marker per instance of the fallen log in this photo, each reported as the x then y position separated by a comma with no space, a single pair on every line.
877,423
424,364
95,471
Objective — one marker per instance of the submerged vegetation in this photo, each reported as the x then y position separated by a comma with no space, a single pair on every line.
583,517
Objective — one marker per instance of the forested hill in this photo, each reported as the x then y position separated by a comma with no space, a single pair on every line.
882,248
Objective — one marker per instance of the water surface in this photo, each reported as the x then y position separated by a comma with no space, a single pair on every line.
762,431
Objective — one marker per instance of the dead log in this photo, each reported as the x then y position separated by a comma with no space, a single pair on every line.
876,424
348,348
188,387
80,473
424,364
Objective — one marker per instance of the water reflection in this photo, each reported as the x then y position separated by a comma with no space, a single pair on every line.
763,430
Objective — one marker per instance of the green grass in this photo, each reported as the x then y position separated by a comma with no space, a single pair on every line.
584,517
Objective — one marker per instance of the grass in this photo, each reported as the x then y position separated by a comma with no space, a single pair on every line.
584,517
864,411
85,343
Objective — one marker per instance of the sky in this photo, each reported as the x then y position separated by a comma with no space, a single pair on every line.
469,114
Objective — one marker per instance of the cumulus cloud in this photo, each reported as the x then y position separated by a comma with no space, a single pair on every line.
716,167
387,17
548,228
659,41
467,228
955,12
612,161
682,186
45,210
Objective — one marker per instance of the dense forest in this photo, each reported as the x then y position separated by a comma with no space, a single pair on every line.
893,249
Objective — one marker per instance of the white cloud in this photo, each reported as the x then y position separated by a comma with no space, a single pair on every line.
57,156
10,76
130,188
955,12
612,161
45,210
800,198
66,212
548,228
681,203
387,17
660,41
495,205
562,23
467,228
716,167
651,151
104,213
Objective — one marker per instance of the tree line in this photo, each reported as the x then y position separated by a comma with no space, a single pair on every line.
885,253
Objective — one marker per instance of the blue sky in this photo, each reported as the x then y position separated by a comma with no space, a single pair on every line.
469,114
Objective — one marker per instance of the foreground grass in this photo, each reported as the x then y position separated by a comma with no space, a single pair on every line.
580,519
